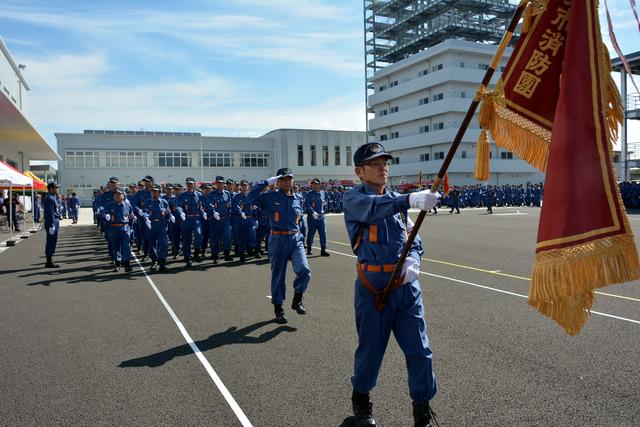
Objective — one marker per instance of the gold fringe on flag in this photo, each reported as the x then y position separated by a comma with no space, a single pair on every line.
614,110
564,290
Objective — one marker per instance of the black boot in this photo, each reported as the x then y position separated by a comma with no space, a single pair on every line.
196,256
163,265
257,253
187,262
50,263
243,258
127,267
153,265
296,304
214,258
227,256
324,252
308,250
422,415
362,410
280,317
116,267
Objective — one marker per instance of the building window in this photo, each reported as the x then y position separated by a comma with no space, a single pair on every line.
395,135
463,154
394,109
423,72
217,160
423,101
437,67
484,67
349,156
300,155
438,156
336,157
462,65
392,84
173,160
325,155
438,126
506,155
463,94
424,157
383,137
383,112
383,87
424,129
438,97
82,159
254,160
313,155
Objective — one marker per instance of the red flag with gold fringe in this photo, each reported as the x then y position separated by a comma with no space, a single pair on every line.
557,107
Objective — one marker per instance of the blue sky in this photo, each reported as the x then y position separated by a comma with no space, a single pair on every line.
219,67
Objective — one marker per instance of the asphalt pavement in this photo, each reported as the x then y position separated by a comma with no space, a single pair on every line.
85,346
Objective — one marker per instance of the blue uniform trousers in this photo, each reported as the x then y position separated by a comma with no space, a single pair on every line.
220,231
319,224
137,231
73,212
205,234
158,240
52,239
174,232
262,234
191,229
303,226
281,249
404,315
247,229
120,243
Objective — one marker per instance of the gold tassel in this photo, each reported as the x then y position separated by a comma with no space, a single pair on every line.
562,279
614,109
526,19
481,172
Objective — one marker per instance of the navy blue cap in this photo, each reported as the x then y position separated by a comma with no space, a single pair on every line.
148,178
315,181
244,182
284,172
219,178
207,186
53,184
230,181
132,186
190,180
168,186
119,190
178,185
369,151
114,179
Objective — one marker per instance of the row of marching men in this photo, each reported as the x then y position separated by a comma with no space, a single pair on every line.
190,220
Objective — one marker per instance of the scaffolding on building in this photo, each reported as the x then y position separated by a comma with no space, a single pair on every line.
397,29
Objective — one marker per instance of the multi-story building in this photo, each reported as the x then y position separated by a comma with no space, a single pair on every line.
20,142
91,157
425,60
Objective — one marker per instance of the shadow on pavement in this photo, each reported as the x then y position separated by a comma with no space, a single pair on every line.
232,335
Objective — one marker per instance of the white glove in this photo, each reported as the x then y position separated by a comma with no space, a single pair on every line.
410,269
273,180
423,200
315,215
216,215
148,223
242,215
183,216
409,225
167,211
107,217
172,218
204,216
52,230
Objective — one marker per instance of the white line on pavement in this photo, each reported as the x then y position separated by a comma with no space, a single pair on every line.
207,366
451,279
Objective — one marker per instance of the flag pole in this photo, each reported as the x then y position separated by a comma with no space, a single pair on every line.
506,38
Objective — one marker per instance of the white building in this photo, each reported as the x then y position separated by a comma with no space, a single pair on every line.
91,157
419,103
20,142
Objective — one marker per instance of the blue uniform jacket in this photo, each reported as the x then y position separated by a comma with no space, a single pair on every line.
121,214
219,201
376,225
51,210
190,203
284,211
315,202
156,210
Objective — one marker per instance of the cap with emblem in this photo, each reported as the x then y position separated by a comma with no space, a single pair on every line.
119,190
168,186
219,178
190,180
132,186
315,181
148,178
244,182
155,188
284,172
207,186
368,152
114,179
53,184
229,182
178,185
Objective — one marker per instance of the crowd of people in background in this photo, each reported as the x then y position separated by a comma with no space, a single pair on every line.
630,192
